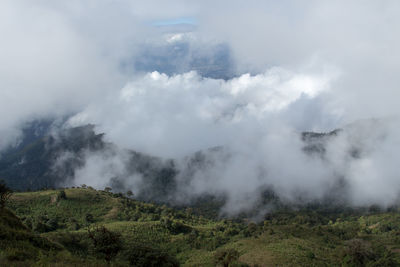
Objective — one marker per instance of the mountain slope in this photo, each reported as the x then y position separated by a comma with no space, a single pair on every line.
18,243
31,165
285,238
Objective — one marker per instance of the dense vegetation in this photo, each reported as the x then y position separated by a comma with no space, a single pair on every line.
88,227
49,159
32,164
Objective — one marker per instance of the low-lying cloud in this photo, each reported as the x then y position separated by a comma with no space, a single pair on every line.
264,71
175,115
256,121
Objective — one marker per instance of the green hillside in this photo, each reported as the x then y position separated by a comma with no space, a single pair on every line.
31,165
57,225
19,246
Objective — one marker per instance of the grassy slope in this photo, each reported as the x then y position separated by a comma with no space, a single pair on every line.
297,238
142,222
19,246
17,242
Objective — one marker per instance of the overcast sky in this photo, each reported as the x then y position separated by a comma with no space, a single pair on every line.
235,70
60,56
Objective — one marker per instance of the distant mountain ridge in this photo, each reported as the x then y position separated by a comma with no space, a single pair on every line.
35,163
29,165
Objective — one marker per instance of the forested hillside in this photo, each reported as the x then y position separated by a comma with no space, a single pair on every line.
49,157
89,227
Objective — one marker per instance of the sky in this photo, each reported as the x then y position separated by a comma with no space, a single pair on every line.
175,21
169,78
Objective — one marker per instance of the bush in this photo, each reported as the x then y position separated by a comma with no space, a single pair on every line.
129,193
105,243
89,218
61,194
175,227
77,243
15,254
226,257
5,194
52,224
40,227
146,256
358,252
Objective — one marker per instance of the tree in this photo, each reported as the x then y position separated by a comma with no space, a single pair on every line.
129,193
5,194
142,255
358,252
106,243
89,218
61,194
252,228
225,257
52,224
108,189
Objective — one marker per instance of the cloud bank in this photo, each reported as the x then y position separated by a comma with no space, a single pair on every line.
264,71
175,115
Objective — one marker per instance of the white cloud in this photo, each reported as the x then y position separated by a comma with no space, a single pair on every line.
63,57
173,116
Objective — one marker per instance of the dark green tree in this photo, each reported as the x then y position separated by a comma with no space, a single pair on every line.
61,194
105,243
89,218
358,252
226,257
5,194
148,256
129,193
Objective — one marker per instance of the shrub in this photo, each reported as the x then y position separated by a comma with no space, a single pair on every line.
89,218
129,193
147,256
105,243
5,194
40,227
226,257
175,227
16,254
358,252
61,194
52,224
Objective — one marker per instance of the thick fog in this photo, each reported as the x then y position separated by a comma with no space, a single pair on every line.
169,78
